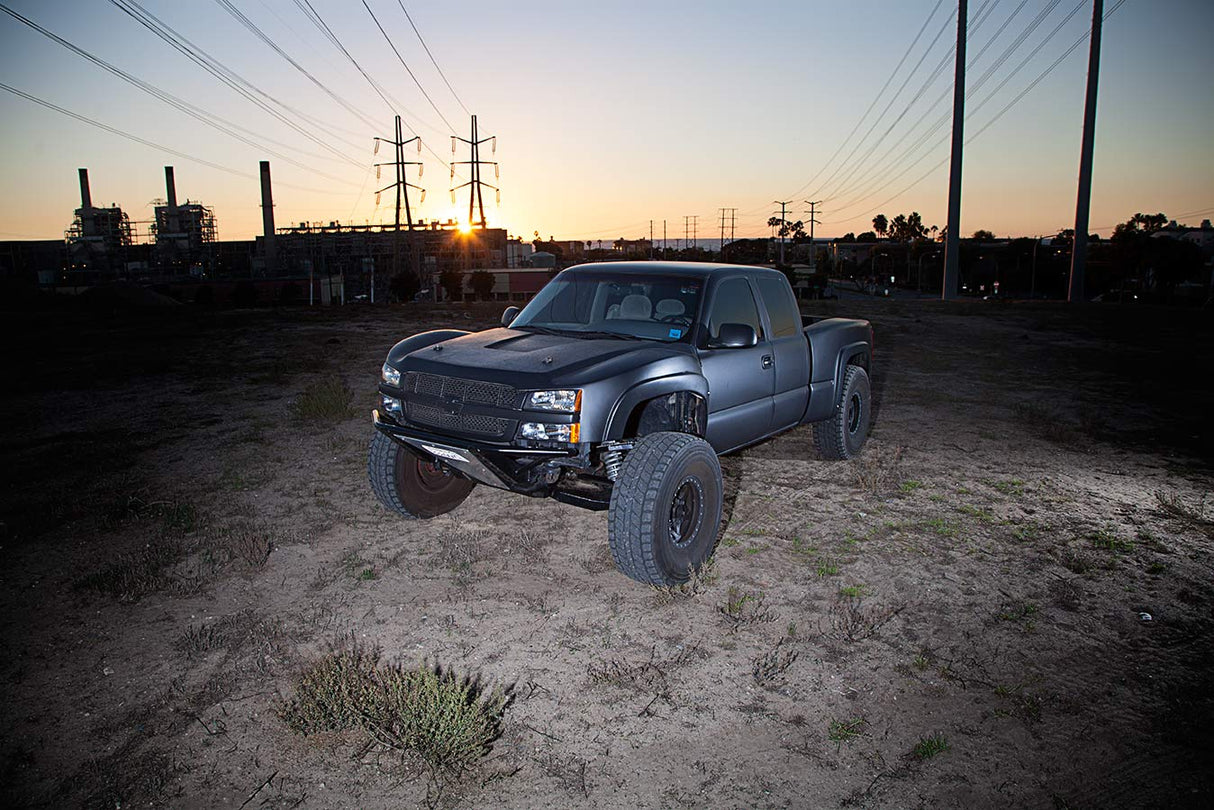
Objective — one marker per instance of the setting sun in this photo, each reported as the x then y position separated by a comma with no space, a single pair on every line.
465,227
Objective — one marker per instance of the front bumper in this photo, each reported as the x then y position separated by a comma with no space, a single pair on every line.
495,465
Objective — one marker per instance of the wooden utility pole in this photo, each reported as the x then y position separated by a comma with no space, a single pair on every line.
1079,251
952,244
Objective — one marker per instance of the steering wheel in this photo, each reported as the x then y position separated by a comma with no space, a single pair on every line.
683,320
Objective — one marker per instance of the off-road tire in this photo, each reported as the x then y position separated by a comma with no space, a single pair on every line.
843,435
408,484
665,511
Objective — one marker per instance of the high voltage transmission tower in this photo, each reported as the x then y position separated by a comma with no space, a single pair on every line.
476,198
783,223
689,226
401,185
732,215
813,220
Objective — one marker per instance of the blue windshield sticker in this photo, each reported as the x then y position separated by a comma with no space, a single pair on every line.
676,333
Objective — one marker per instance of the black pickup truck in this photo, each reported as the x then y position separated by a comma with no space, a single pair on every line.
616,388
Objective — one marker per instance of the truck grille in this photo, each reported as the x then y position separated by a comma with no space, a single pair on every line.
481,393
488,426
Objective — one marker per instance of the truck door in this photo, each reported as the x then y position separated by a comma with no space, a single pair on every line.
740,380
790,351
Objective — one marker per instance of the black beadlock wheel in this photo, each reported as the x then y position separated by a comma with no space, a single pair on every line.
844,434
665,511
410,484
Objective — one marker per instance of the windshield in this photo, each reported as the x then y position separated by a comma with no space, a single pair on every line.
615,305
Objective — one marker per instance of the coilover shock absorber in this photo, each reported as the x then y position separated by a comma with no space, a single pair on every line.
613,457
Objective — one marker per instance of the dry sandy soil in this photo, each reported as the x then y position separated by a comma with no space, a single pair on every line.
953,620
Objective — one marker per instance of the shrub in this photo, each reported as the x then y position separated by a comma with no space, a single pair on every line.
448,720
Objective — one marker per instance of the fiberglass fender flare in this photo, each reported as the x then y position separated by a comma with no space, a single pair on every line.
420,341
628,401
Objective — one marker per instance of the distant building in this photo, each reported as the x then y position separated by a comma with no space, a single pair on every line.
518,252
1202,236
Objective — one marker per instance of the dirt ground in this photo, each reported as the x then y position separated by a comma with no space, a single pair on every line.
956,619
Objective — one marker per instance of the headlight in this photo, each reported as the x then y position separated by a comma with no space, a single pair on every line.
390,375
566,401
391,405
541,431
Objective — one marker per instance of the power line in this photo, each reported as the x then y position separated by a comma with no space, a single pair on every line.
252,27
883,170
1041,77
877,120
121,133
873,103
432,60
224,74
305,6
405,65
198,113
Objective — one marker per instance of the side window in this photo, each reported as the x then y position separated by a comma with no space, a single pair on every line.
781,308
733,303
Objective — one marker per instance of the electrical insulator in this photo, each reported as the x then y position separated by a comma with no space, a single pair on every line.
421,169
493,148
423,199
497,172
499,197
453,196
377,172
419,146
453,144
376,152
377,198
452,172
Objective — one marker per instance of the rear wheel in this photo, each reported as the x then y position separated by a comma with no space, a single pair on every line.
665,508
843,435
410,484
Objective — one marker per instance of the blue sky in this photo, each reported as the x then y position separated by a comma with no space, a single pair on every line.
611,115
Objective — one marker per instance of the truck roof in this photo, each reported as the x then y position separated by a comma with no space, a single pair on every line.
690,269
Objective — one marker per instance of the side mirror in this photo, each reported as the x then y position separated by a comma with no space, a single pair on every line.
736,336
509,315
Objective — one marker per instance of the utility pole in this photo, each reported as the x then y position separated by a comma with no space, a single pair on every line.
401,185
1079,251
695,220
663,240
651,240
476,198
813,252
686,231
732,214
783,223
952,245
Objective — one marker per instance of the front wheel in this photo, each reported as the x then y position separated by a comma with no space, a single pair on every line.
410,484
665,508
843,435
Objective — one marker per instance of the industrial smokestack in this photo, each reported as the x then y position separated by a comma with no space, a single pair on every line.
170,187
267,218
86,199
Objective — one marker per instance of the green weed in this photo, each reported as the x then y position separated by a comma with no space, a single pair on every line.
928,747
326,400
1108,540
841,731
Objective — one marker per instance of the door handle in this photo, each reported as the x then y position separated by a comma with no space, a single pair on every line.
767,361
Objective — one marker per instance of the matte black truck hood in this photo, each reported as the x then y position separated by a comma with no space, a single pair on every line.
528,360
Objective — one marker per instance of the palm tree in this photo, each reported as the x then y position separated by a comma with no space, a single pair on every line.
881,225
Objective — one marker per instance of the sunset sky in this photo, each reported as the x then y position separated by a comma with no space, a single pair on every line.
612,114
